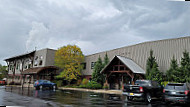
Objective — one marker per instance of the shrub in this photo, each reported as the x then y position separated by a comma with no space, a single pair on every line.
84,81
11,83
93,85
105,86
79,82
71,86
82,86
17,84
59,83
164,83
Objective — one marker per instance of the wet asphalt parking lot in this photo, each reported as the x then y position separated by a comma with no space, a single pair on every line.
62,98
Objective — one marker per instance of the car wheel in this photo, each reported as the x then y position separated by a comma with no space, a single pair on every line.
148,98
129,98
167,102
41,87
54,87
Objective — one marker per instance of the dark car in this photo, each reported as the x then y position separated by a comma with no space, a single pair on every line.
177,92
145,89
41,84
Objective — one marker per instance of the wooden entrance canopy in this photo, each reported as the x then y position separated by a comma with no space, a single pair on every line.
121,66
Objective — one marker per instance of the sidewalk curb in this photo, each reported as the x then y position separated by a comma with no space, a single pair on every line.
119,92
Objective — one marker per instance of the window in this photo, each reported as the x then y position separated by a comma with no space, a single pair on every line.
36,58
20,66
92,65
36,61
143,83
155,84
84,65
25,66
29,65
10,67
175,86
17,66
45,82
40,63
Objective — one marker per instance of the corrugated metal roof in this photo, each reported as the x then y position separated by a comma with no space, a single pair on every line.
131,65
135,68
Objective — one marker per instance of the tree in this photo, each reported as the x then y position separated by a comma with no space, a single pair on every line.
185,67
106,60
69,58
152,71
173,73
155,74
3,72
149,65
96,75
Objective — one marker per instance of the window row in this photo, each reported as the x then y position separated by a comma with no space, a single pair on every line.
92,65
27,65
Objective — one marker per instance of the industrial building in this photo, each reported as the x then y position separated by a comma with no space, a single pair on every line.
126,63
163,50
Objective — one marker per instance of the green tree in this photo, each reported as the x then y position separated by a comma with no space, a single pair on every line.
3,72
152,71
173,73
149,65
96,75
69,58
106,60
185,67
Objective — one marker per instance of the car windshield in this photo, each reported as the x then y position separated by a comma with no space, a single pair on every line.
175,87
40,80
142,83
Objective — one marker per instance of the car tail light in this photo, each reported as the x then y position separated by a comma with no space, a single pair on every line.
141,89
164,90
186,92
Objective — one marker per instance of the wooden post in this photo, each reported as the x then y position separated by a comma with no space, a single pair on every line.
132,81
106,83
122,82
106,78
37,77
29,81
23,81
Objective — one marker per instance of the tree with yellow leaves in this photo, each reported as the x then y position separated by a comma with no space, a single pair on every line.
69,58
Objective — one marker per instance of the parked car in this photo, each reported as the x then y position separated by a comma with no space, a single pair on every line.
177,92
2,82
145,89
41,84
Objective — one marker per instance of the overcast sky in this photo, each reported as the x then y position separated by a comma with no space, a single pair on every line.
93,25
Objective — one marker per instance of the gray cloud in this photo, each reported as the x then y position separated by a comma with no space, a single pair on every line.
93,25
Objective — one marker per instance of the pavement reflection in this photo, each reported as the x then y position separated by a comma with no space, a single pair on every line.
25,97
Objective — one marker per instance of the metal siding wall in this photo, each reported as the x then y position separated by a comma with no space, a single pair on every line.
163,51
